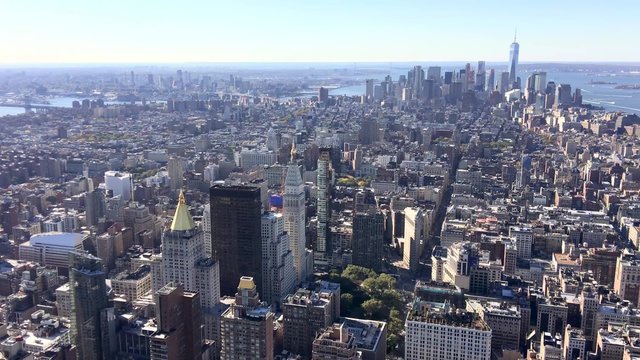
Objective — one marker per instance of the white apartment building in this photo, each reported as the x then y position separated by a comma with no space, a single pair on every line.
278,272
250,159
51,248
120,183
524,240
437,332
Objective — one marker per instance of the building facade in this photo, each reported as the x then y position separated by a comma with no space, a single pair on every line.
323,251
119,184
295,219
504,319
246,327
414,237
236,240
51,249
176,338
88,303
627,280
368,239
335,343
278,273
304,314
436,331
184,261
523,239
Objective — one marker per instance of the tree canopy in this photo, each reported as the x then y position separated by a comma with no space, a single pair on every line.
373,296
357,274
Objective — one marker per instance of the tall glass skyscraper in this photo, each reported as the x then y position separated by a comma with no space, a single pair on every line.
323,250
236,237
88,302
513,61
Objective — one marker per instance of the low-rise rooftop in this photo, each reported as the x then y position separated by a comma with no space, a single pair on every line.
367,333
444,314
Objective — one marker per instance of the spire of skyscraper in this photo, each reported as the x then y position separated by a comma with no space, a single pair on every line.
182,219
513,61
294,153
185,263
294,218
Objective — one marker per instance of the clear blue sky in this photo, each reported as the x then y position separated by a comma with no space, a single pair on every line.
130,31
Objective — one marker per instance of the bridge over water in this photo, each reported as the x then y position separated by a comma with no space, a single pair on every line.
28,106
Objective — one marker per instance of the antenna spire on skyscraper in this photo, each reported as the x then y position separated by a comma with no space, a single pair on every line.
513,58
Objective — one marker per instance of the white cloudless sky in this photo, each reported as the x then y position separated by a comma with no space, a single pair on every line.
145,31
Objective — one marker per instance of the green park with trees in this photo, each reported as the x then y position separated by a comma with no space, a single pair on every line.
369,295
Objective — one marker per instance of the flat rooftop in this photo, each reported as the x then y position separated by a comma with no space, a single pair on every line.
367,333
444,314
434,287
57,239
236,189
499,308
138,274
305,297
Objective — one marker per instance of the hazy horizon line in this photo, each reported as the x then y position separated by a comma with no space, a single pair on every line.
321,62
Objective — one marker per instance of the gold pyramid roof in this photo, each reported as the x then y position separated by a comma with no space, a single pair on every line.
246,283
182,219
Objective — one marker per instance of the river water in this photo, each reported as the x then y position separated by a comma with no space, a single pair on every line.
56,101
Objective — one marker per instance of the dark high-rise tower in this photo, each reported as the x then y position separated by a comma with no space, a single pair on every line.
491,79
417,79
368,237
323,94
481,76
563,95
369,89
323,250
513,61
236,240
88,302
95,206
448,77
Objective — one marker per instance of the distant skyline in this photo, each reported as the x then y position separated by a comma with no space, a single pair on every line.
118,31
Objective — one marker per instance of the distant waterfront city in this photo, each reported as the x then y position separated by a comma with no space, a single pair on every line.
598,86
